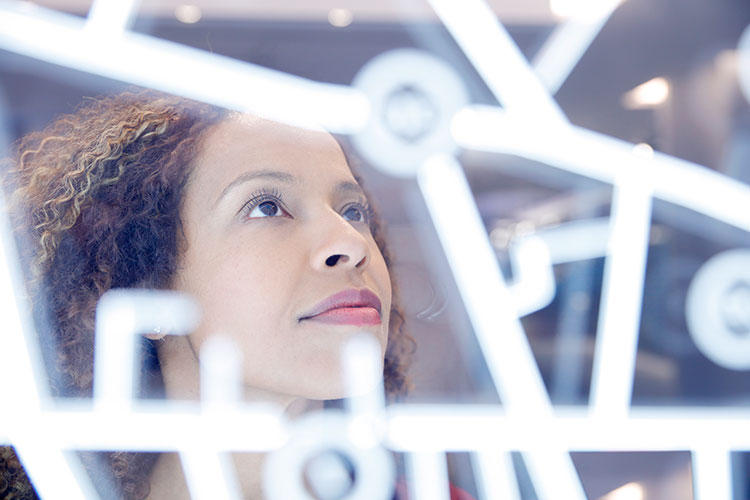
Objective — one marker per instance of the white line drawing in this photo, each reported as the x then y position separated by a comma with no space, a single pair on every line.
527,422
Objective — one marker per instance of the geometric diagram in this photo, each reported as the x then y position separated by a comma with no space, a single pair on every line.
404,109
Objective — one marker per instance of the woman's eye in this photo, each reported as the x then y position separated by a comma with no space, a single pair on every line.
357,213
353,214
268,208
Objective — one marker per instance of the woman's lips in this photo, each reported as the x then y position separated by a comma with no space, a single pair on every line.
348,307
358,316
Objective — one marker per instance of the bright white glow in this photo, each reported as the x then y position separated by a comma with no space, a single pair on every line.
42,435
622,290
569,41
209,475
328,476
409,428
576,240
340,17
583,10
594,155
552,471
361,366
177,69
533,287
220,373
497,59
482,286
111,17
417,95
644,150
20,357
716,308
495,475
115,343
188,14
489,305
319,433
56,475
120,316
469,428
712,473
630,491
652,93
158,426
429,476
363,376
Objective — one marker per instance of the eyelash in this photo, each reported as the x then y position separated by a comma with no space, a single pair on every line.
364,206
273,194
260,196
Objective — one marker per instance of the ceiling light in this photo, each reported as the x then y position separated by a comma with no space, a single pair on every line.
340,17
188,14
647,95
630,491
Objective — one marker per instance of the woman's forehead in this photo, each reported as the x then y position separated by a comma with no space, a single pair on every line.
243,144
255,126
251,137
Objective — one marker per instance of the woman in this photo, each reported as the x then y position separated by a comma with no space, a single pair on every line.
264,224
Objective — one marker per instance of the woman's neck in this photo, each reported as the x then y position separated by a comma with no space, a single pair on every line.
168,480
180,371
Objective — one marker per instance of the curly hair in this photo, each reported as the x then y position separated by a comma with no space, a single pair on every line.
95,200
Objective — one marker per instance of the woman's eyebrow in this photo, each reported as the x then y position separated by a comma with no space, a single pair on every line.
258,174
350,187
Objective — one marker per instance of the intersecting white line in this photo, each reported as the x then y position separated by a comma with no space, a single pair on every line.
564,240
220,371
411,427
21,365
532,257
565,46
590,154
495,321
712,473
495,475
54,473
533,285
209,475
177,69
429,474
532,126
160,426
111,17
482,285
455,428
121,315
622,293
497,59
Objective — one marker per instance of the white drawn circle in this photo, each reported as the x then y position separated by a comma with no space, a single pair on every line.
743,62
322,434
717,309
414,96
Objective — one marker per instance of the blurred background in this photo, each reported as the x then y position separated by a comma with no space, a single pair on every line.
661,74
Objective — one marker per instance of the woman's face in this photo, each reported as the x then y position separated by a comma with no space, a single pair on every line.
280,256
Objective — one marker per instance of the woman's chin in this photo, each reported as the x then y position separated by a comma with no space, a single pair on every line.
336,389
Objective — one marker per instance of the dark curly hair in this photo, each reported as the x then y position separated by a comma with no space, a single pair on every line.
95,200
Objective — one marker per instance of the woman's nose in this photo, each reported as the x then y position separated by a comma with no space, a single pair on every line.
341,246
